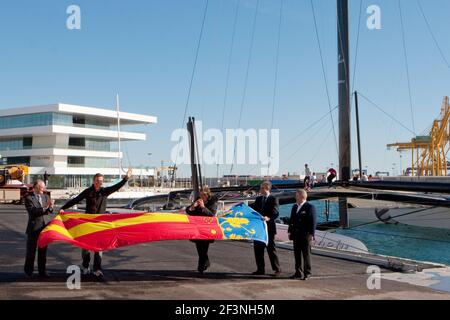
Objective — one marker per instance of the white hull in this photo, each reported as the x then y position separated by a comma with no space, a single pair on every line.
327,240
415,215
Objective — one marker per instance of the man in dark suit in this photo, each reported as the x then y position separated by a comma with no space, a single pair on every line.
302,227
267,206
38,204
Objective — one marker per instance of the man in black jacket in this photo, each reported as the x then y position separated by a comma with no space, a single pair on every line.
96,201
267,206
38,204
302,227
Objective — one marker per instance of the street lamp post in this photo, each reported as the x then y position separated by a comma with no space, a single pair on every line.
149,155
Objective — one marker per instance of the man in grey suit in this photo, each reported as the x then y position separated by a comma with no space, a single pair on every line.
38,204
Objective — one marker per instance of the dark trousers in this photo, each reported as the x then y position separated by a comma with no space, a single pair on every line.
302,249
330,179
260,247
86,255
202,250
32,240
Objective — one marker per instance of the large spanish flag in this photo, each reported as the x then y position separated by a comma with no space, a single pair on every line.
108,231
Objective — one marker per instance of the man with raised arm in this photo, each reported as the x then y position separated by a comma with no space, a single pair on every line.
96,201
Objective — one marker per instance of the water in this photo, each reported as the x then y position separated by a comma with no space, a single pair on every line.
411,242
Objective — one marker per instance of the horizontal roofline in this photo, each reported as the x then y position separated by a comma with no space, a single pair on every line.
126,118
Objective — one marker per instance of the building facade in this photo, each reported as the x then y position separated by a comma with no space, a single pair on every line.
69,142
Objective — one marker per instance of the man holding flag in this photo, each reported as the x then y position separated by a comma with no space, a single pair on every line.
267,205
96,201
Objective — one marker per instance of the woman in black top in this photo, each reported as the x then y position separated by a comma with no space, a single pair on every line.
206,205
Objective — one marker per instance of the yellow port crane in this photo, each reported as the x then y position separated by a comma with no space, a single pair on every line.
429,153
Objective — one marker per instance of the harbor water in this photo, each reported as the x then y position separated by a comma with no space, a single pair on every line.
411,242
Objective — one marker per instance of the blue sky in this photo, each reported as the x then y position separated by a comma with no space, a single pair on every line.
144,50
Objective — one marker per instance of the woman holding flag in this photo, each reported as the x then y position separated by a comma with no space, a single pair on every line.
205,205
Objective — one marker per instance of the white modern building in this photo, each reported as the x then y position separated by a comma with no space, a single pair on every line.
69,142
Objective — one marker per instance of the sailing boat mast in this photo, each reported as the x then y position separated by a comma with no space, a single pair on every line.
118,135
344,92
344,106
195,165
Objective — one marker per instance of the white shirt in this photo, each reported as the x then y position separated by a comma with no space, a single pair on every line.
300,205
307,171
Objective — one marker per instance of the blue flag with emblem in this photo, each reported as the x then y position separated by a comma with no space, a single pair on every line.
243,223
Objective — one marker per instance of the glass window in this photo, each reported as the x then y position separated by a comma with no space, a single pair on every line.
17,160
27,142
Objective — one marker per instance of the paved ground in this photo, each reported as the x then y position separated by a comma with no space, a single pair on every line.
165,270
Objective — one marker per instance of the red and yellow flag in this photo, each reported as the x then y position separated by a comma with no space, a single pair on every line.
108,231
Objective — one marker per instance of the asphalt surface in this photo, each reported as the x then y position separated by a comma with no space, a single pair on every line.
166,270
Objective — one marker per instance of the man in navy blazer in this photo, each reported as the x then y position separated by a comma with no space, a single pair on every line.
302,227
267,205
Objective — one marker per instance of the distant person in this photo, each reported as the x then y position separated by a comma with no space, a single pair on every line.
313,180
301,230
38,204
46,175
355,178
323,179
370,177
307,179
364,177
331,176
96,201
267,205
205,205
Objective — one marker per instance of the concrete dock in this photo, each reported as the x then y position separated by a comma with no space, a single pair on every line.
166,270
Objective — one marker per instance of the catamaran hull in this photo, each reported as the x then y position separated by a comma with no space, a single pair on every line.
420,216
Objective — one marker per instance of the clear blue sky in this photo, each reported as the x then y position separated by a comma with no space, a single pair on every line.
145,51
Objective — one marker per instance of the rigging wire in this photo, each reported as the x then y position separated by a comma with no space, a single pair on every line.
307,128
357,46
275,82
306,142
324,72
387,114
430,30
194,67
227,81
244,94
312,125
321,145
405,53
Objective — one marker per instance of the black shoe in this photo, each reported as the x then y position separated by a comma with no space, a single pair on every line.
28,276
258,273
277,273
43,275
306,277
296,276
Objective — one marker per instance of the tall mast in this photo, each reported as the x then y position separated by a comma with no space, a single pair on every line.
344,92
118,134
344,106
194,163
